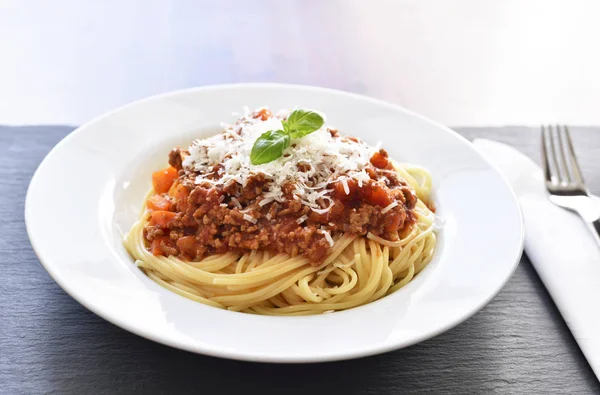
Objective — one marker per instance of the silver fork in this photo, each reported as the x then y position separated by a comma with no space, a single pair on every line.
564,180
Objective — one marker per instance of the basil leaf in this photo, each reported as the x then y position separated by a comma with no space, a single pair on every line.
269,146
302,122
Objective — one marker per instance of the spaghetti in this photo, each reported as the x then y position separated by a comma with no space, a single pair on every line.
328,259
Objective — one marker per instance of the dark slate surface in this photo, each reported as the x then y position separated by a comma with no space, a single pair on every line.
49,343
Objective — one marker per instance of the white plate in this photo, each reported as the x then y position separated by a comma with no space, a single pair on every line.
88,192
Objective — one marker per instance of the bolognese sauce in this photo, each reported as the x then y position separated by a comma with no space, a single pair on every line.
196,211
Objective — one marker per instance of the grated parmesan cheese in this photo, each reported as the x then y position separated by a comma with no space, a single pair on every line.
389,207
250,218
302,219
266,201
328,237
331,158
236,202
345,185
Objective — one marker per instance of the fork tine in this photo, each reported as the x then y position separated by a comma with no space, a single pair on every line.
574,163
562,149
546,165
550,155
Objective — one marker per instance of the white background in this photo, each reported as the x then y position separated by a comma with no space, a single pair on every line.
466,62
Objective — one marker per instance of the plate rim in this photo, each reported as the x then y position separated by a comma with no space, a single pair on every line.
232,354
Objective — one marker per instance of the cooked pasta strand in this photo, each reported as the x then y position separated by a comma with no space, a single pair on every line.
357,269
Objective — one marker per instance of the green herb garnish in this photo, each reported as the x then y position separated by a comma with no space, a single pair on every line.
270,145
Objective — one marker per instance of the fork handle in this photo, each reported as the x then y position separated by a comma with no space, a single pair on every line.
595,228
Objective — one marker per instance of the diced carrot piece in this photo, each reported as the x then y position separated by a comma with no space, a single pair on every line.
380,161
163,179
187,245
156,245
340,190
158,202
161,218
173,189
375,194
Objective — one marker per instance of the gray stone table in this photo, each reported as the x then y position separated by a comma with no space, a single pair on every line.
518,344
